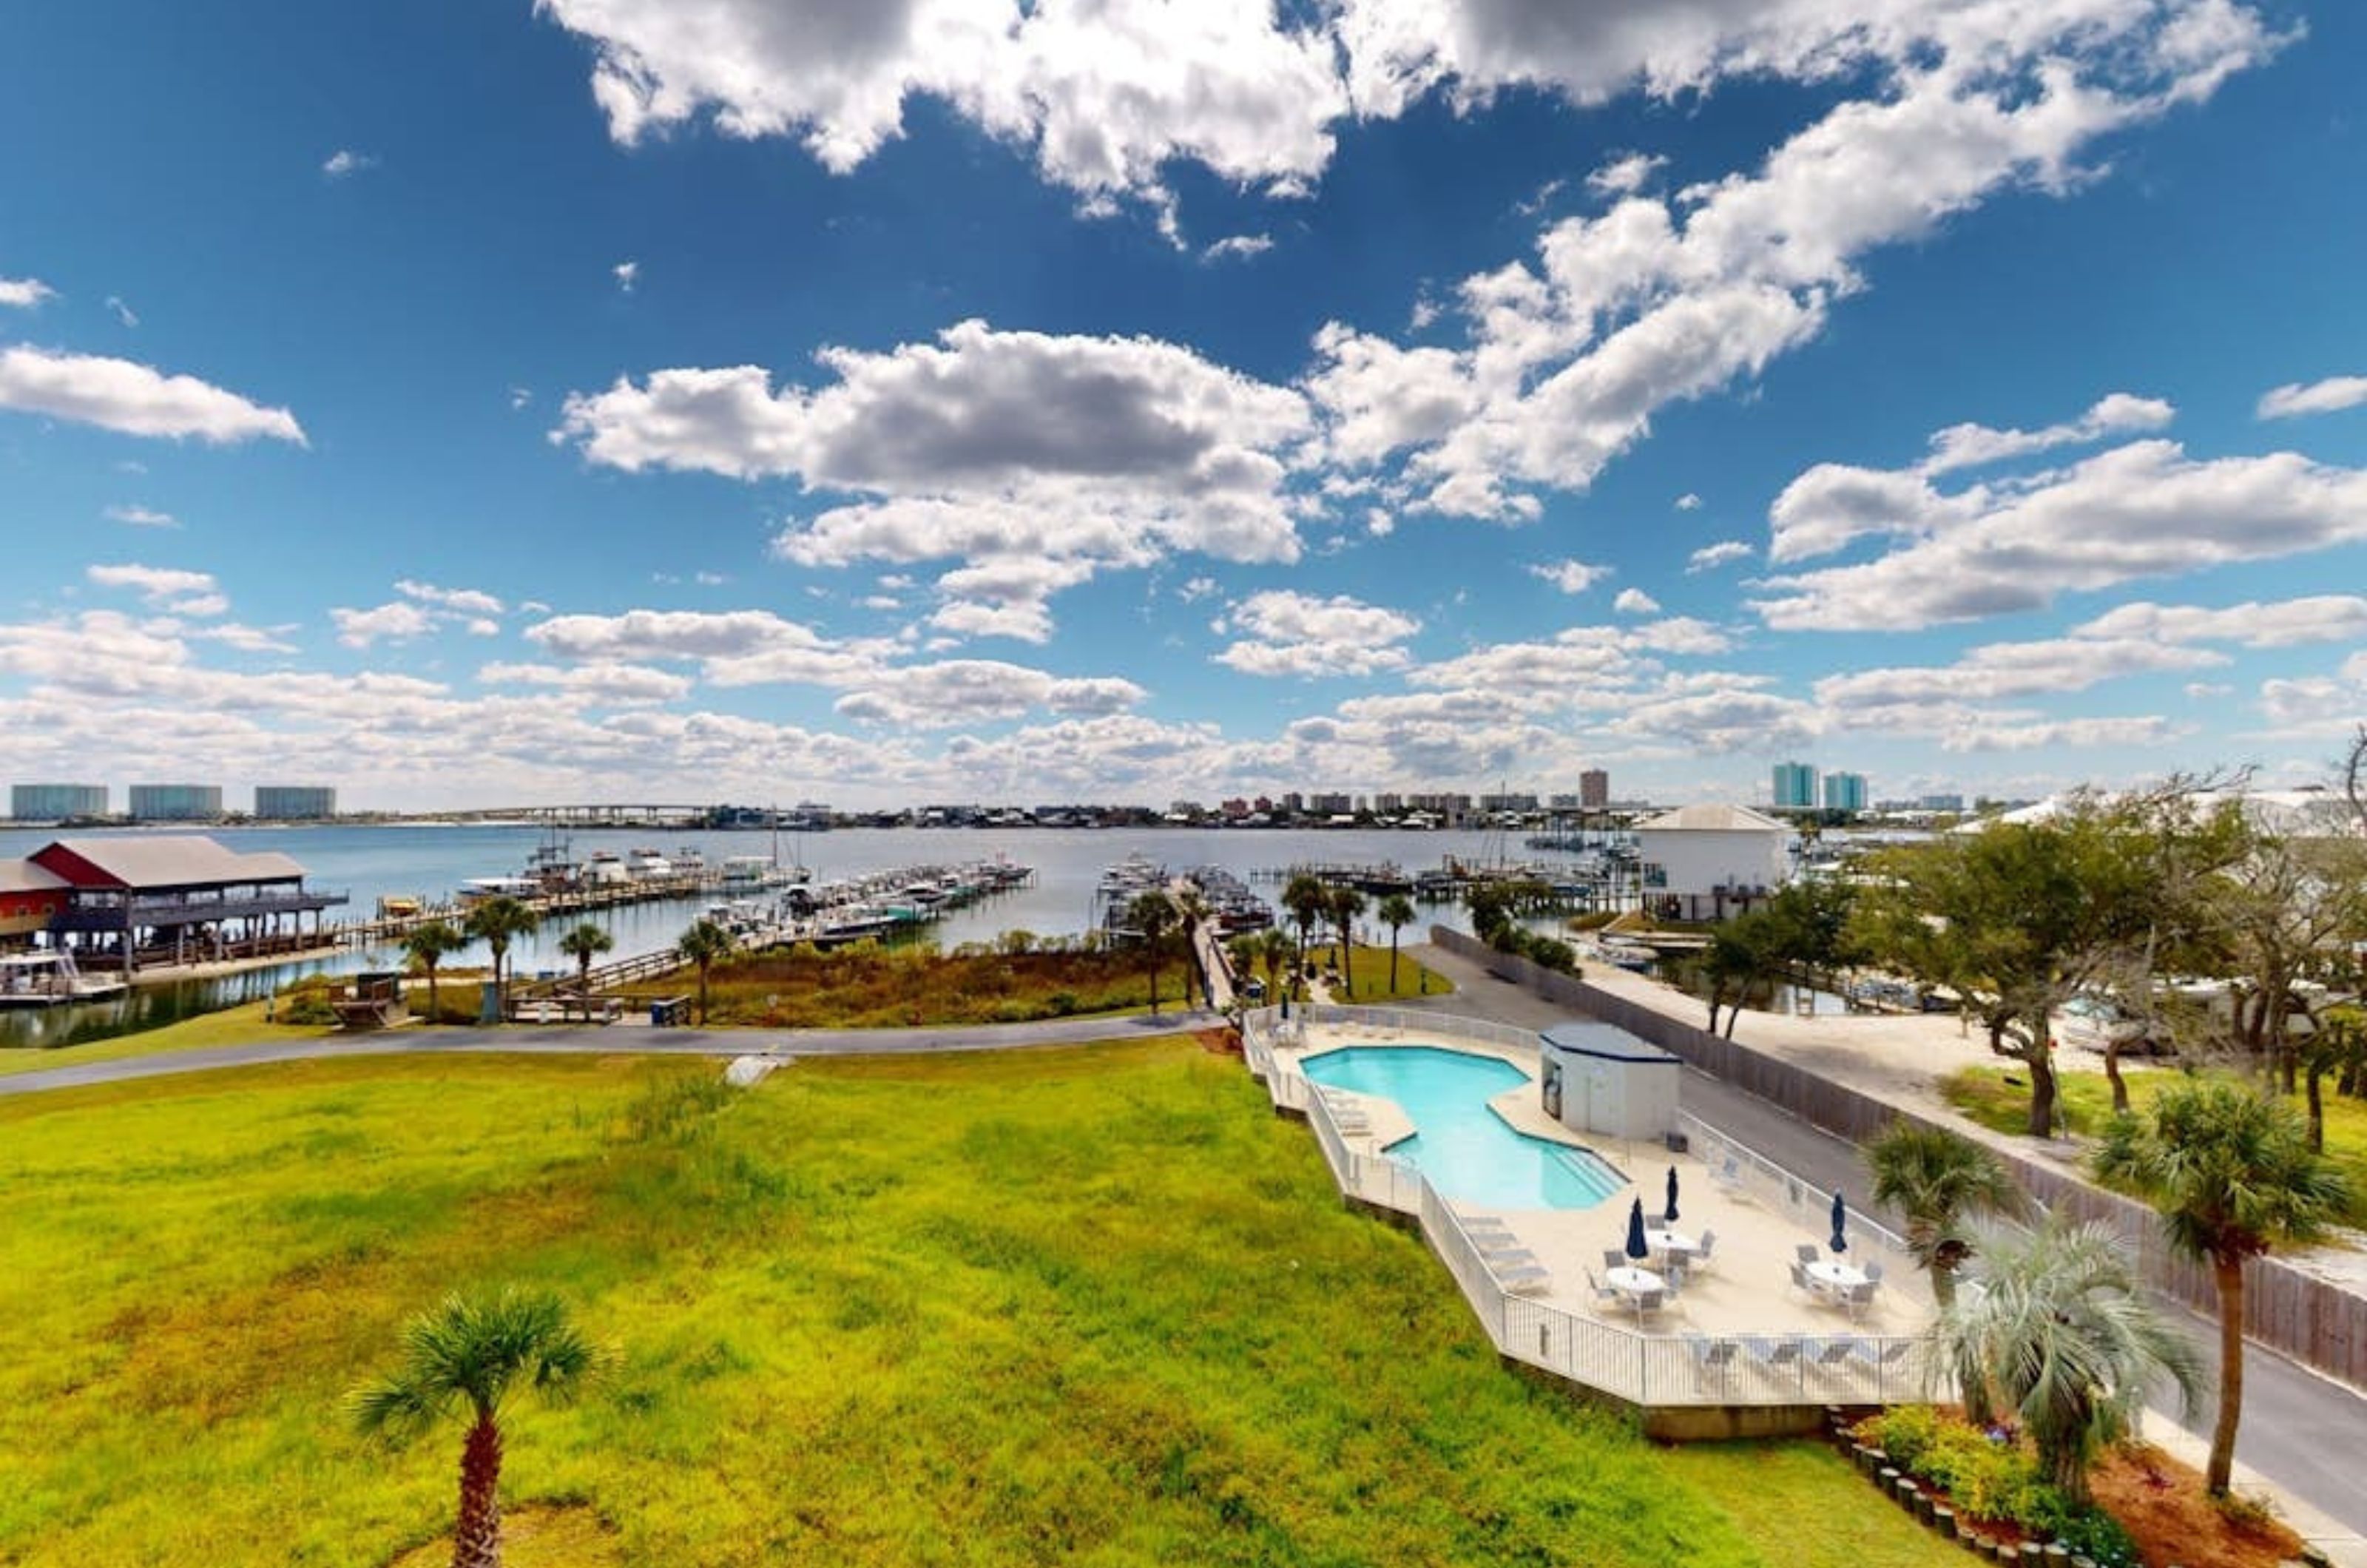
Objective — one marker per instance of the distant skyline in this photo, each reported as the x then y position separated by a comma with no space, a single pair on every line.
950,401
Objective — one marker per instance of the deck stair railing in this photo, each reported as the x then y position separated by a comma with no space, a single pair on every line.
605,977
1644,1368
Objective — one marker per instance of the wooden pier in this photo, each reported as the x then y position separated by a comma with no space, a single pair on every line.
381,930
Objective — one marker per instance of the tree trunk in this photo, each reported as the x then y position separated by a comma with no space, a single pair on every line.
2229,1273
2068,1466
2041,1090
1150,946
1347,961
1393,961
702,994
2112,1075
434,1003
2316,1085
477,1539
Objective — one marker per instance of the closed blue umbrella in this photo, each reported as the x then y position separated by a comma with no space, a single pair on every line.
1672,1195
1840,1218
1636,1248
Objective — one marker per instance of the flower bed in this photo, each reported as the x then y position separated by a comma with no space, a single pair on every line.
1985,1489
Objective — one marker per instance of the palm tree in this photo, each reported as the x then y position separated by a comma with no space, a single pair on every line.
1152,914
1396,912
2062,1338
497,922
705,944
1191,912
427,944
584,944
468,1356
1938,1179
2232,1173
1344,905
1305,897
1273,951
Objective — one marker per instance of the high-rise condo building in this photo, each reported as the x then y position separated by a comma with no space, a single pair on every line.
294,803
56,802
1595,789
1844,792
1795,786
175,803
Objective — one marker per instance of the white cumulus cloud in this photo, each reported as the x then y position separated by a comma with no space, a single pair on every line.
2142,510
1570,576
1709,558
1288,633
117,394
2330,396
180,591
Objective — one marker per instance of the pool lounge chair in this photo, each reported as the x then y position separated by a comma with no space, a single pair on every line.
1711,1359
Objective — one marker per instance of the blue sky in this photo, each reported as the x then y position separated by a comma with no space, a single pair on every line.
950,400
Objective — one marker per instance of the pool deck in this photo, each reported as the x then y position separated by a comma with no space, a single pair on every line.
1745,1288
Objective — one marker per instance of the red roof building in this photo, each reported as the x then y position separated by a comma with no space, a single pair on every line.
175,899
30,896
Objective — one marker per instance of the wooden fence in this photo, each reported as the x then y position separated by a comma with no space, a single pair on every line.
2320,1323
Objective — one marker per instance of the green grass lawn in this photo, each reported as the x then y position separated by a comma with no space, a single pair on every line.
1983,1094
1092,1305
1372,976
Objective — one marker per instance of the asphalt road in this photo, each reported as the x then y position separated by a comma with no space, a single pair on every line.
616,1041
2302,1432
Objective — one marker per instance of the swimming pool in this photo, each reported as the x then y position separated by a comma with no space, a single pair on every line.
1468,1152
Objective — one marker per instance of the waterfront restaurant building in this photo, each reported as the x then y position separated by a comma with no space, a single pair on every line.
177,899
1705,862
30,898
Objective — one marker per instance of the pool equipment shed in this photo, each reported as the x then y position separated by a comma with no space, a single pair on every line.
1598,1078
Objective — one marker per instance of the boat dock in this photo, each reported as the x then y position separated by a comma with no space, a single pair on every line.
390,925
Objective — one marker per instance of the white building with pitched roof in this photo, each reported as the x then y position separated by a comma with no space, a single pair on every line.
1705,862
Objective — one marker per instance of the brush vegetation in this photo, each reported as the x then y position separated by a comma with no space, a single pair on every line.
1095,1305
1989,1097
869,986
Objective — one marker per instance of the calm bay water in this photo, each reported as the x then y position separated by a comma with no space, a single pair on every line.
371,862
